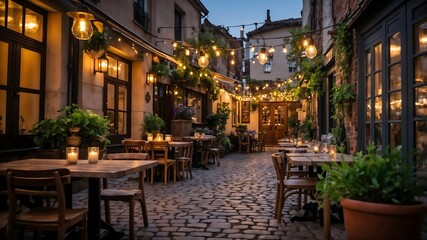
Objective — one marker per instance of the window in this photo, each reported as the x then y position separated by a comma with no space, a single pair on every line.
178,25
140,14
22,54
195,100
117,92
267,66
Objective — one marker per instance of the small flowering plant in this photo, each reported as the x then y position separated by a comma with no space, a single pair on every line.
183,112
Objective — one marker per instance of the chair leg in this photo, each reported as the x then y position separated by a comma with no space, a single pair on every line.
190,169
165,173
83,230
107,211
152,176
131,219
144,212
174,172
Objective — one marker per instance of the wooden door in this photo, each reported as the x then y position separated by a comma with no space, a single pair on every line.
273,121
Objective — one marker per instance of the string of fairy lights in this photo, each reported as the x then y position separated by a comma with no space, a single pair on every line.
82,30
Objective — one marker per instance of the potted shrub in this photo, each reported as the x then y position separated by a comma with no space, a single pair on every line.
182,119
293,125
378,195
50,136
97,45
152,124
241,128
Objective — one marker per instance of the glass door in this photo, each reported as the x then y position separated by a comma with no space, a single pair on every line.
272,121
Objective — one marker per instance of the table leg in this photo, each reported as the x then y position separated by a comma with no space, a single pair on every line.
94,208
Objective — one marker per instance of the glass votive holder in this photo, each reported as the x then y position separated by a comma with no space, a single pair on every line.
92,155
159,137
168,137
72,155
315,148
325,147
197,134
332,151
149,137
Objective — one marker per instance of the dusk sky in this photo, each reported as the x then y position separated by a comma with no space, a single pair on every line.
241,12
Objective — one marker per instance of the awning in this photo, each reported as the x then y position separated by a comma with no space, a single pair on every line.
222,78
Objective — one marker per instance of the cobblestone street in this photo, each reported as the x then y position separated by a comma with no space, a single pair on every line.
233,201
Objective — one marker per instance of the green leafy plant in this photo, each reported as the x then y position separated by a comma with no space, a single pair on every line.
152,124
370,177
242,128
307,127
293,125
50,134
161,69
254,105
98,42
223,114
94,128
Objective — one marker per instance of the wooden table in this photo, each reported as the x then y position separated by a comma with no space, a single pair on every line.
196,157
314,159
103,169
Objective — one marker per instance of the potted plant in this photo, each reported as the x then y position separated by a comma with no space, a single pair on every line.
293,125
241,128
307,127
97,45
152,124
50,136
377,193
182,119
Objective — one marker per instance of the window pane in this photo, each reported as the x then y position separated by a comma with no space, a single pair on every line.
378,108
14,16
421,101
110,116
395,80
368,110
395,48
122,98
28,111
378,136
395,134
368,134
421,69
178,94
421,35
2,111
368,62
378,57
395,106
121,123
123,70
2,13
110,96
33,25
368,86
378,84
112,67
4,54
421,139
266,115
195,101
30,69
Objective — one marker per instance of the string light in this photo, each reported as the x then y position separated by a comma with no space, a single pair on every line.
262,56
284,49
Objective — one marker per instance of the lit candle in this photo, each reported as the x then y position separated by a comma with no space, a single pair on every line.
72,155
149,138
93,154
168,137
316,148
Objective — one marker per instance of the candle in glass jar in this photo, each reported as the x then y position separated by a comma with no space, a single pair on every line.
72,155
168,138
93,154
316,148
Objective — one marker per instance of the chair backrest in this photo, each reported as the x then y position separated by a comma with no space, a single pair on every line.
279,165
127,156
159,149
187,150
244,138
43,184
134,145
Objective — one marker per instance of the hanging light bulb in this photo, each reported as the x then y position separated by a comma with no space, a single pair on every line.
232,62
203,60
187,52
284,50
252,49
311,51
305,42
82,27
262,56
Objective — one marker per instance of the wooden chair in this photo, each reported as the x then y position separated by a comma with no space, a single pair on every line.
215,150
4,220
160,152
134,145
44,185
244,142
126,195
288,187
184,160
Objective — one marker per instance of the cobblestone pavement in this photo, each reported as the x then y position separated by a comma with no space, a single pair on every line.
233,201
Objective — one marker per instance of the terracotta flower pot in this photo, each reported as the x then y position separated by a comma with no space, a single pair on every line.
367,220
